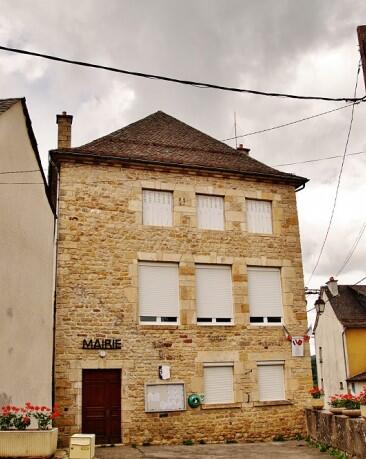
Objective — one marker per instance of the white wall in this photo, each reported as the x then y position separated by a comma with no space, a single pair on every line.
26,270
328,336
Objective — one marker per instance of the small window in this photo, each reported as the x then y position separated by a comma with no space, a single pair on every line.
320,354
259,216
218,382
341,386
210,212
271,381
158,293
157,208
265,296
214,295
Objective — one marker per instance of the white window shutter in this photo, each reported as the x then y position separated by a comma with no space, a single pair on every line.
271,382
265,294
210,212
259,216
157,208
218,384
214,292
158,289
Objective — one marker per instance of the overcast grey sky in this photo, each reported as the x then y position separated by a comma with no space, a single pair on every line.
306,47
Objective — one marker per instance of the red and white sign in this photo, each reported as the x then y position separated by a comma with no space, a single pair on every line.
297,346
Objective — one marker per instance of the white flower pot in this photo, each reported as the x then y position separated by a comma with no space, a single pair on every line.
26,443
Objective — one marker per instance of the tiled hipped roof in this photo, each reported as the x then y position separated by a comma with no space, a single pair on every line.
161,139
350,305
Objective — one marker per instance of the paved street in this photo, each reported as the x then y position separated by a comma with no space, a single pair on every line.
278,450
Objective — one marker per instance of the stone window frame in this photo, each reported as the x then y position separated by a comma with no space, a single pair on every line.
287,274
231,358
216,195
164,190
247,213
275,199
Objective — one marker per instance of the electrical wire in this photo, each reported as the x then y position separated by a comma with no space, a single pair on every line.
319,159
353,285
21,183
20,172
290,123
177,80
353,248
338,182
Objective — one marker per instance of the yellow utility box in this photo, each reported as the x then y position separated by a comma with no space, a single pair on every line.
82,446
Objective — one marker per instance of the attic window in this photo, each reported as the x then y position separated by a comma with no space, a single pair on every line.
157,208
259,216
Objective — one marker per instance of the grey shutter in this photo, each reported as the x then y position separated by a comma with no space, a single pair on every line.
158,289
219,384
265,294
271,381
157,208
214,292
210,212
259,216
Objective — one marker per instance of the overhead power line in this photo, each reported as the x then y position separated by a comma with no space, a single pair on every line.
338,182
352,250
19,172
315,160
289,123
177,80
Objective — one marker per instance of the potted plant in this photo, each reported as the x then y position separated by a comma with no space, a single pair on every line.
351,406
336,403
362,399
317,402
19,439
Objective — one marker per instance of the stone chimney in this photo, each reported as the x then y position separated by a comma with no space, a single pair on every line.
64,122
242,149
333,286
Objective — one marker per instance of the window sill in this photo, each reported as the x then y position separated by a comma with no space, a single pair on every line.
158,326
214,406
273,403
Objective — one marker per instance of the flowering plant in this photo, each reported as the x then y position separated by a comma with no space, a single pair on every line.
362,396
12,417
346,401
315,392
43,414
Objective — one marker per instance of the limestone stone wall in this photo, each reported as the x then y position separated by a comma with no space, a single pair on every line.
100,241
341,432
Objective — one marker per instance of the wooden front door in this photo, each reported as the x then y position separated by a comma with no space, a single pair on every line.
101,405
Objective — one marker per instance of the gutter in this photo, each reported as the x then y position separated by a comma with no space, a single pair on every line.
129,160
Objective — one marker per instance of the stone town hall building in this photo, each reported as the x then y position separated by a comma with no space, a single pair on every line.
178,262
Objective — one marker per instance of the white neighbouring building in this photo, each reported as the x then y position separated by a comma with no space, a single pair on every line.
26,269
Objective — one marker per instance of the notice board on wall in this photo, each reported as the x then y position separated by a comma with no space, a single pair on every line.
164,397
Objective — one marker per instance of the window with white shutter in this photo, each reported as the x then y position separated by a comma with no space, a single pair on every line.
210,212
259,216
218,382
271,381
157,208
158,293
214,295
265,296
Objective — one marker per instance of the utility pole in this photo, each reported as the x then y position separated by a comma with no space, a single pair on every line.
361,33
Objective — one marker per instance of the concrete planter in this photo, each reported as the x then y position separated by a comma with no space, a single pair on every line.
26,443
336,410
352,413
317,403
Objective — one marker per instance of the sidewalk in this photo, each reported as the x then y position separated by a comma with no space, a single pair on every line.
277,450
